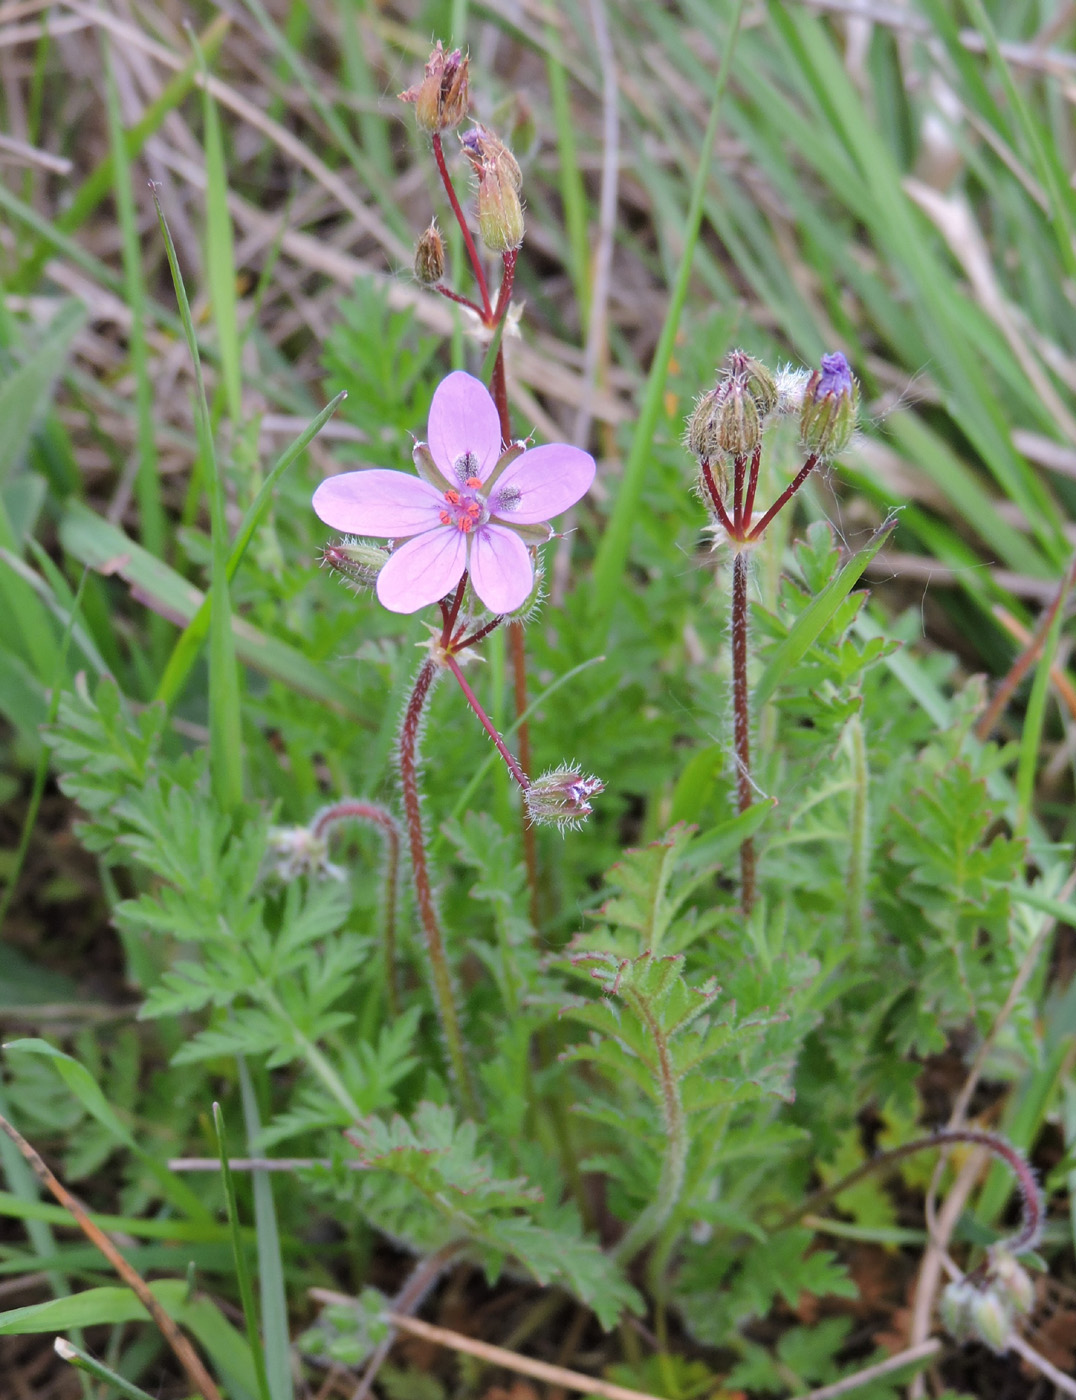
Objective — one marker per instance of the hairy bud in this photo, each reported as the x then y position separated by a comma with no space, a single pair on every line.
756,379
442,98
500,213
298,850
830,406
726,422
358,561
430,256
982,1306
560,797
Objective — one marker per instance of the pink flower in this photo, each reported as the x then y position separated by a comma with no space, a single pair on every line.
472,506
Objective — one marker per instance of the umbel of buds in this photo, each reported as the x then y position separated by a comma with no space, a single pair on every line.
430,256
982,1307
830,406
442,98
500,213
560,797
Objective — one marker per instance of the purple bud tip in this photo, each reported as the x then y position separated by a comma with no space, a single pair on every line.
836,376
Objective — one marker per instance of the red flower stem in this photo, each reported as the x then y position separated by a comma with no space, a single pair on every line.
472,699
752,487
1031,1199
435,944
451,613
715,497
741,723
472,251
374,815
785,496
739,469
479,636
504,296
455,296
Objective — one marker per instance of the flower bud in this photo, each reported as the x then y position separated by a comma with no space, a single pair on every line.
1012,1280
560,797
756,379
500,213
726,422
296,850
358,561
442,98
830,405
430,256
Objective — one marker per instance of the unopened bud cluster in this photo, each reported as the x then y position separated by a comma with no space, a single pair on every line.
730,418
560,797
983,1307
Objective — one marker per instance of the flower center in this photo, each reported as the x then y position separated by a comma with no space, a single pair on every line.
466,507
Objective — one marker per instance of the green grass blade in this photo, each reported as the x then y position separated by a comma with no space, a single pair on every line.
90,1366
101,179
26,390
87,1091
190,643
273,1290
1031,734
225,720
814,618
95,541
41,770
147,482
220,251
612,554
242,1270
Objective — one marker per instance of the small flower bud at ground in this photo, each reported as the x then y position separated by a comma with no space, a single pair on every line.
358,561
755,377
430,256
296,850
1012,1280
442,98
830,406
560,798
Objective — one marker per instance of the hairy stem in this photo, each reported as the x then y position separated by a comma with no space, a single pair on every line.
752,486
739,470
435,944
741,723
468,241
785,496
1031,1199
715,497
513,767
374,815
460,300
671,1180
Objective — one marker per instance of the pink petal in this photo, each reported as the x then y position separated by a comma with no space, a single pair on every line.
501,569
548,480
463,418
391,505
423,570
